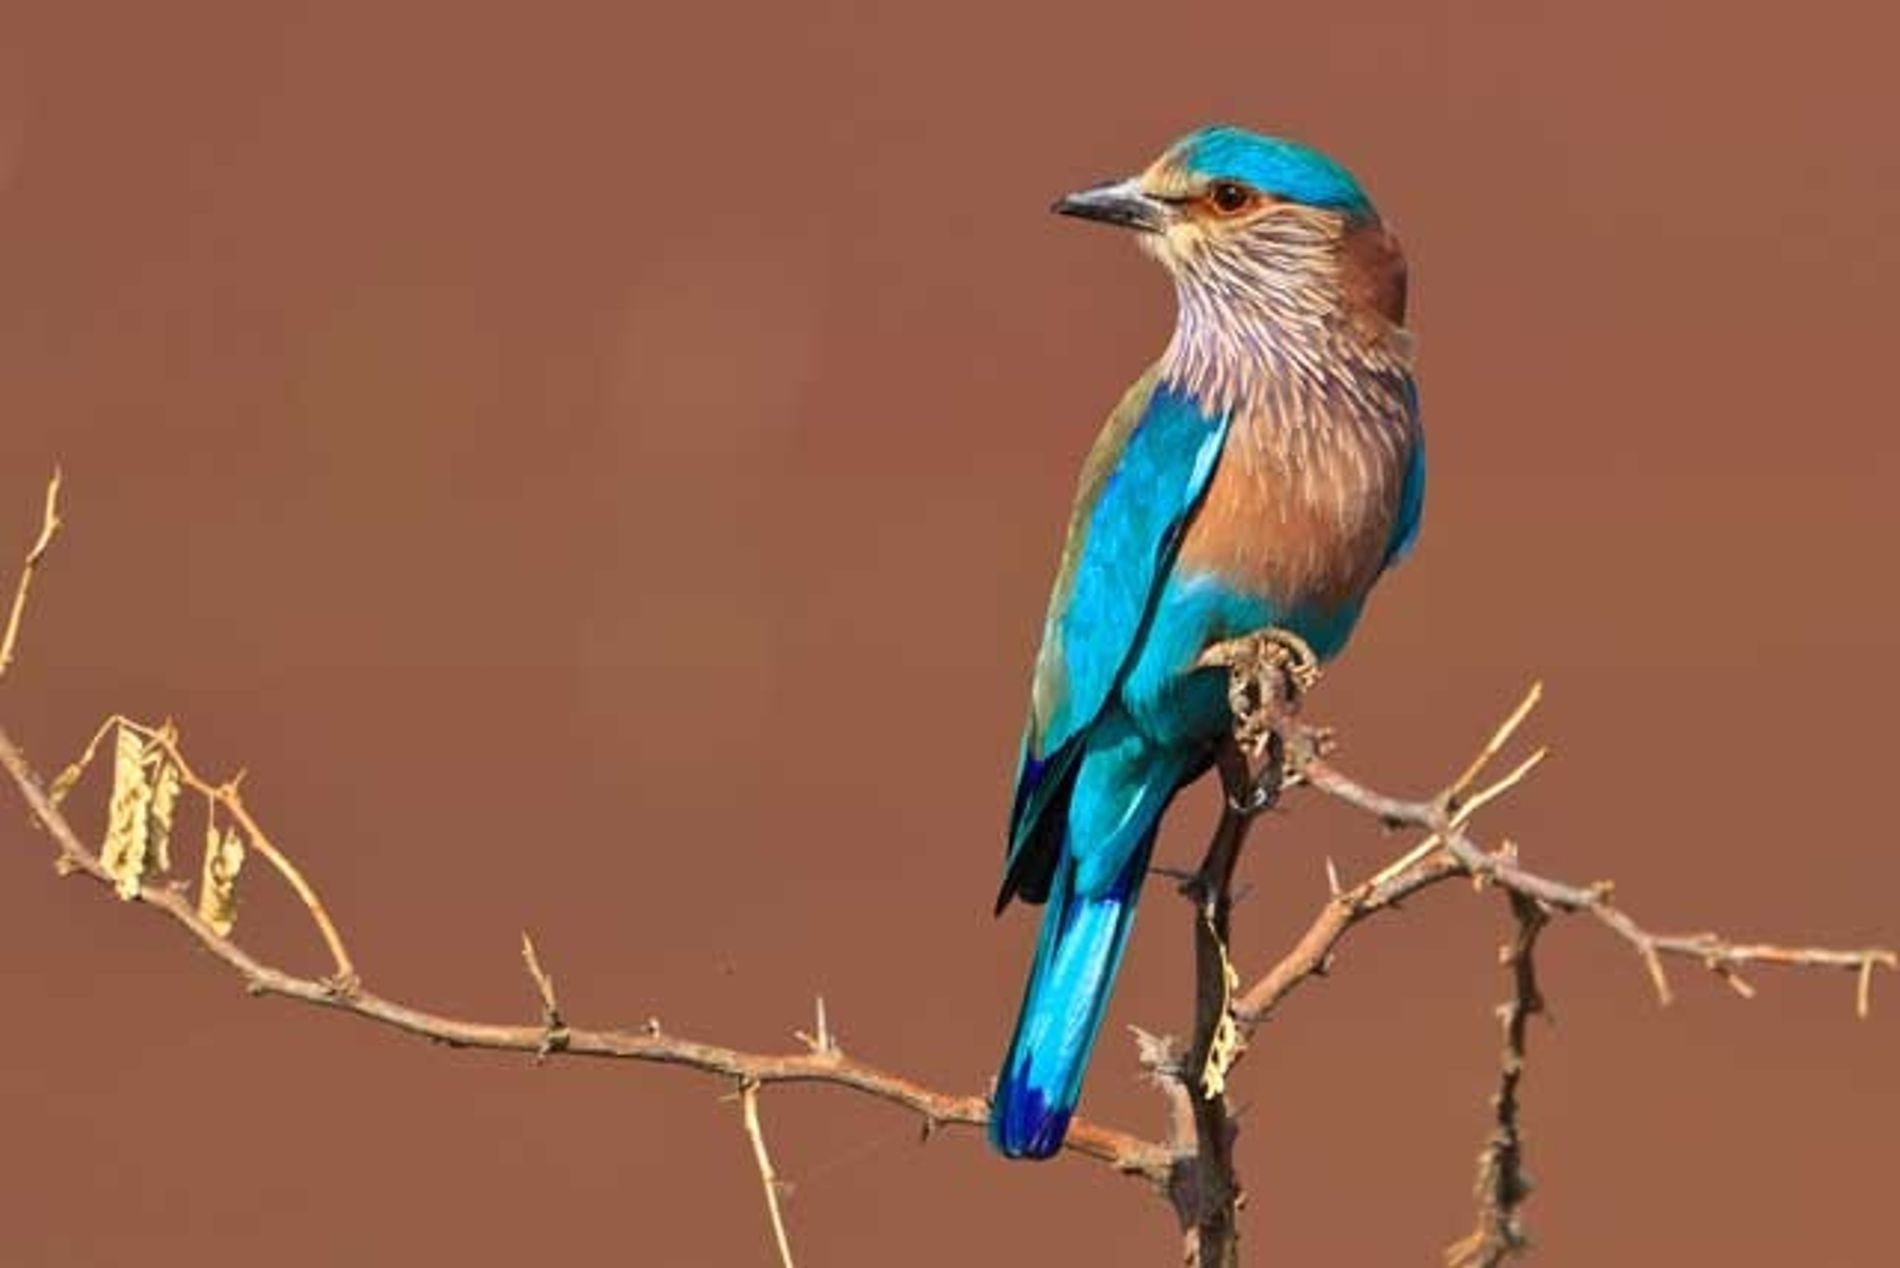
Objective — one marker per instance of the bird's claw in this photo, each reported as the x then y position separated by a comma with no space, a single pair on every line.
1291,655
1274,648
1267,673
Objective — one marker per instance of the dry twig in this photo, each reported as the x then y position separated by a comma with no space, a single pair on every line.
553,1026
749,1102
49,526
1502,1183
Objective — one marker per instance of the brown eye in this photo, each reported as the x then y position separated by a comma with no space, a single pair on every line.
1229,197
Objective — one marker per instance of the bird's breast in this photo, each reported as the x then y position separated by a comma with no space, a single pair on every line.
1301,510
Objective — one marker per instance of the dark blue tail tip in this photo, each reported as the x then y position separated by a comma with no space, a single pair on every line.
1023,1123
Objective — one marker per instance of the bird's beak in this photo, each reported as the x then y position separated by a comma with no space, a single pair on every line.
1117,203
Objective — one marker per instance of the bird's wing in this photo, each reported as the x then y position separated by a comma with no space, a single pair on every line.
1142,480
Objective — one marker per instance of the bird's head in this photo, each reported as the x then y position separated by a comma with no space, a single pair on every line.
1222,184
1232,214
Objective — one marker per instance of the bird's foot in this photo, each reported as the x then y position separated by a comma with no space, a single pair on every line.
1270,668
1291,655
1267,673
1273,648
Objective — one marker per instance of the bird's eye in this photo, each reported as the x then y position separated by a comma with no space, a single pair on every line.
1229,197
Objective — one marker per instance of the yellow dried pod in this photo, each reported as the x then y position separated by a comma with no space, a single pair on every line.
165,785
1224,1046
217,889
128,821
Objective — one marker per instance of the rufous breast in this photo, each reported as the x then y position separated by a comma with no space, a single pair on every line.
1302,509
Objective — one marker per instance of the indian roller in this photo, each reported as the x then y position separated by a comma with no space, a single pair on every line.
1262,474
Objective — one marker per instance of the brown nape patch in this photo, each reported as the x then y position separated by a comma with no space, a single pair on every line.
1372,271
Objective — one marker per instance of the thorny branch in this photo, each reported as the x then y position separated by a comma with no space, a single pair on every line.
1268,674
1453,853
1272,751
1502,1183
651,1043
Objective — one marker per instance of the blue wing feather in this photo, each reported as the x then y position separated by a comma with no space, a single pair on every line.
1147,472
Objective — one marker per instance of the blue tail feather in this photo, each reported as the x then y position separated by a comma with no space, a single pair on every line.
1077,954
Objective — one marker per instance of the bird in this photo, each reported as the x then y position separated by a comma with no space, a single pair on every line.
1261,475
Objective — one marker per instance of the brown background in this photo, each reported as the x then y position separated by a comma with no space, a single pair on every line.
599,468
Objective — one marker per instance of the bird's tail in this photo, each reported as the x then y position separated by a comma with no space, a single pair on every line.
1077,954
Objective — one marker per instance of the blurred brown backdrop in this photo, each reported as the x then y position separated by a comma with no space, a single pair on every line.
563,451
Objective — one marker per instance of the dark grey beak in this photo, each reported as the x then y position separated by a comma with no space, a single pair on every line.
1119,203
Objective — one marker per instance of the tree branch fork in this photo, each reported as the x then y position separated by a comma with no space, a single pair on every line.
1272,752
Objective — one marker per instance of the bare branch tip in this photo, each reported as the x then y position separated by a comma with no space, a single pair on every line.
1657,975
1495,744
1470,806
554,1033
1864,987
49,526
768,1179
